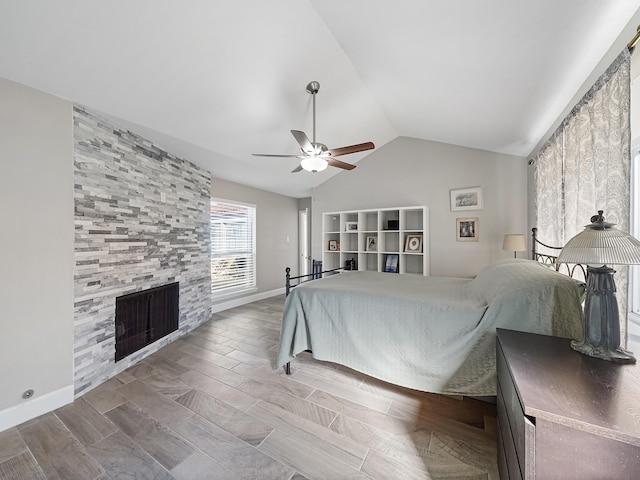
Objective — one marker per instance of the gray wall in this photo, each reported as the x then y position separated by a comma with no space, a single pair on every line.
276,231
36,211
409,171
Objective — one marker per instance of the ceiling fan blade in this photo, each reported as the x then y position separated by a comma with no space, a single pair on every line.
303,140
274,155
360,147
297,169
340,164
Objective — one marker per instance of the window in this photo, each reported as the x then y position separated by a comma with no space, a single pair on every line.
634,272
633,317
233,248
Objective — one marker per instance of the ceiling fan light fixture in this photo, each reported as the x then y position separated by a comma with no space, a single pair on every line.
315,156
314,164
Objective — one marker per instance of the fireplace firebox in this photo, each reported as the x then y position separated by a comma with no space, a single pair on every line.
144,317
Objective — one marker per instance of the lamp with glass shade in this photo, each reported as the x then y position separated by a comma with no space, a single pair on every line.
600,245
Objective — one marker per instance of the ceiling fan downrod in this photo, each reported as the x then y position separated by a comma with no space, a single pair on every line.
313,88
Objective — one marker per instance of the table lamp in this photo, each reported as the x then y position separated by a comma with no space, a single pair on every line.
600,245
514,242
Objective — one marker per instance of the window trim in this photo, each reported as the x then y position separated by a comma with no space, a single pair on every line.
235,291
633,310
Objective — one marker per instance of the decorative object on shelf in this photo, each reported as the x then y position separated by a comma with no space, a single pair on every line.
413,244
393,225
597,245
350,226
391,263
334,246
466,199
372,244
350,264
515,243
467,229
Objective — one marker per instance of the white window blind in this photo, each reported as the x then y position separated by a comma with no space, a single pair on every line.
635,231
233,247
633,324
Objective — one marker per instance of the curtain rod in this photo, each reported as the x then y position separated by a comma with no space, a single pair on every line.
634,40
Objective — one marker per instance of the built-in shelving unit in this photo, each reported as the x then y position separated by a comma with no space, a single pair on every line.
378,239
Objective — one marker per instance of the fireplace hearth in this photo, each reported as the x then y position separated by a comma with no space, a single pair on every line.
144,317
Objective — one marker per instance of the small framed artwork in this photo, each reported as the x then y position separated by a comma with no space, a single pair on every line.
391,263
413,244
466,199
350,226
467,229
372,244
334,246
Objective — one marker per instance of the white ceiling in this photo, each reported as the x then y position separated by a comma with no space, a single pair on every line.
215,81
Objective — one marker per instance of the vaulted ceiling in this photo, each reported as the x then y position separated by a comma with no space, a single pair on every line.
215,81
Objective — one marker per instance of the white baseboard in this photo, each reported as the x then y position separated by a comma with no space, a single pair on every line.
237,302
34,407
39,405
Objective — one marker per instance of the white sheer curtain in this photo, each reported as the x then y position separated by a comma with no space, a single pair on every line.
549,179
585,166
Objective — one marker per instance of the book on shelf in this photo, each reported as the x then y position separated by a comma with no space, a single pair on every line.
391,264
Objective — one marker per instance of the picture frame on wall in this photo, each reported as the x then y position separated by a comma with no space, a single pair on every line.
466,199
334,246
467,229
413,244
372,244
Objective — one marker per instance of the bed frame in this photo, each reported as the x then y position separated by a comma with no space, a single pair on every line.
316,272
577,271
550,259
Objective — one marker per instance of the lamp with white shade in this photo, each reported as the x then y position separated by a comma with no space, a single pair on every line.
514,243
600,245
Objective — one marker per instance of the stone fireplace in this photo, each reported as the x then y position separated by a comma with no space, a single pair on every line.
141,221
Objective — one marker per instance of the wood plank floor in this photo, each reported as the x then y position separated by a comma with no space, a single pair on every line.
210,406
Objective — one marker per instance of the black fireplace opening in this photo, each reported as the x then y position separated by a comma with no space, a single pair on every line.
144,317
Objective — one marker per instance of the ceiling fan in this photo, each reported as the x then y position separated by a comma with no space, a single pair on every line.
315,156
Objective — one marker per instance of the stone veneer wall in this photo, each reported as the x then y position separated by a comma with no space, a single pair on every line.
141,221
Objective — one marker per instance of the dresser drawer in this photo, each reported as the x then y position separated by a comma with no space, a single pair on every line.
522,429
508,465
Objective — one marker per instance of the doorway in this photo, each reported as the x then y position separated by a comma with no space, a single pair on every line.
304,258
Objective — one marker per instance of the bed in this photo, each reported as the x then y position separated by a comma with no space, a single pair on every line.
434,334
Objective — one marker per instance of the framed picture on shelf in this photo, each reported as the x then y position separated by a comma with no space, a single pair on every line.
391,264
372,244
413,244
350,226
466,199
467,229
334,246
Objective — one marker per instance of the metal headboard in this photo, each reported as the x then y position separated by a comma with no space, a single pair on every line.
317,272
573,270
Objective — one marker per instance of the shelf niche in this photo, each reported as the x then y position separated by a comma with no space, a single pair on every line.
350,233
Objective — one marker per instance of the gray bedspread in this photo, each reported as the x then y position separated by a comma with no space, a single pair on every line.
434,334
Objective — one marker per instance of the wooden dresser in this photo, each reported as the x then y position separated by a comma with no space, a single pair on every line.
563,415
